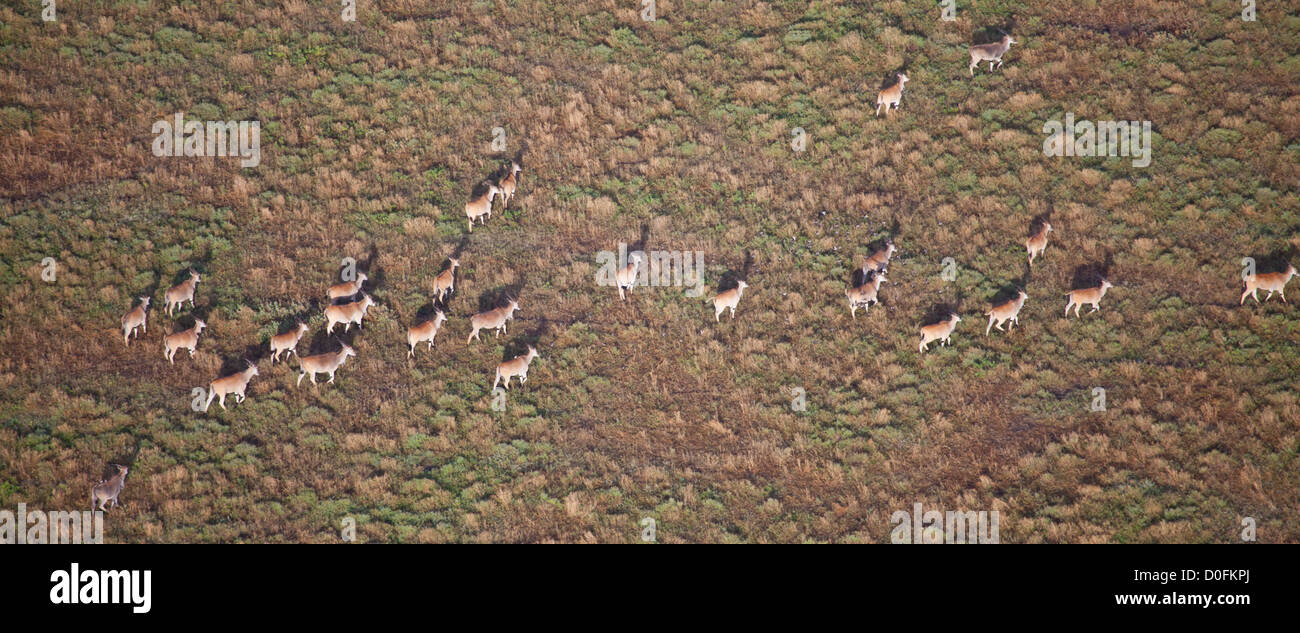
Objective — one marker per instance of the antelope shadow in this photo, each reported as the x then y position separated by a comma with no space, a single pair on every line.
289,322
1275,261
184,322
499,297
252,353
861,277
941,312
518,345
426,312
732,278
640,243
376,278
108,471
481,188
989,34
1090,275
890,77
1036,223
1007,292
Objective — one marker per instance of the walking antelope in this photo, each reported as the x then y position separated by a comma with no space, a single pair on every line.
481,206
326,363
1009,311
1037,242
626,276
347,288
347,313
864,295
508,184
879,259
233,384
1086,295
287,342
445,282
494,319
136,318
517,366
1272,282
424,332
181,292
891,95
728,299
989,53
939,331
188,340
106,491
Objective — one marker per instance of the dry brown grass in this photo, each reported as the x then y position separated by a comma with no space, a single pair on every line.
676,133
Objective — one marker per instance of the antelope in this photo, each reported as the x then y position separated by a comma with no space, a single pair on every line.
1009,311
989,53
1086,295
1037,242
347,288
728,299
481,206
879,259
424,332
107,490
891,95
492,319
180,293
287,342
507,185
939,331
326,363
188,340
517,366
864,295
136,318
1272,282
347,313
235,384
445,282
626,276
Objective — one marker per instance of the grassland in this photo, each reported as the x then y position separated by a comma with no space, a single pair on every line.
675,135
